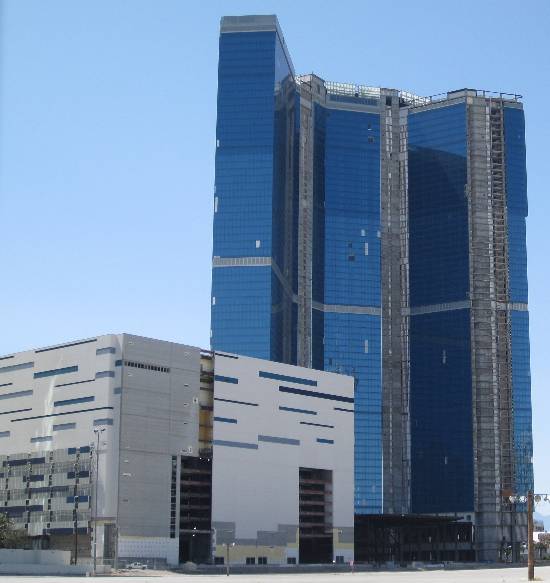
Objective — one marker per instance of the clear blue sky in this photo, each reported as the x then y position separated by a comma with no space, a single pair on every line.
107,135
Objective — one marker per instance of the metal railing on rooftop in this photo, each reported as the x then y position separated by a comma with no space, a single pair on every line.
412,99
351,89
472,92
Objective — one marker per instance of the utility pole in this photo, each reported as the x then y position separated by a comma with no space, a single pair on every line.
98,433
530,542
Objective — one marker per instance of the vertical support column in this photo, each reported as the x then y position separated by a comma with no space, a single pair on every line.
502,316
289,104
503,337
405,308
305,225
485,389
394,270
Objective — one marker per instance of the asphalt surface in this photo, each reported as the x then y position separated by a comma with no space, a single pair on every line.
505,575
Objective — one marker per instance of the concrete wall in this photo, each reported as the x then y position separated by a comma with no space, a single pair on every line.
39,563
35,557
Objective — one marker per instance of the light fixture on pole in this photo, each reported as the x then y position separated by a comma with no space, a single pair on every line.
227,545
75,493
98,433
531,500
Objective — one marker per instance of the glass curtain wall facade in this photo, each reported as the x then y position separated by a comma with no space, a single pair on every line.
440,368
346,281
251,290
257,212
470,407
516,190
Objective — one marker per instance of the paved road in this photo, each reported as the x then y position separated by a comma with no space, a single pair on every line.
470,576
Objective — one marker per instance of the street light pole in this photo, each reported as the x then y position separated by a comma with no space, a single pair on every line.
531,499
75,491
227,559
97,432
530,544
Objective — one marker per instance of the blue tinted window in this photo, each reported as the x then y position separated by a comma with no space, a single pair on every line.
41,439
256,112
440,370
279,440
516,198
441,412
438,207
15,394
351,208
225,420
71,499
294,410
73,401
516,193
55,371
286,378
107,350
223,379
81,474
346,271
242,313
344,352
64,426
74,383
521,391
14,367
238,444
314,394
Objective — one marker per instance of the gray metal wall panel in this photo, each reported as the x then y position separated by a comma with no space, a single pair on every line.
160,418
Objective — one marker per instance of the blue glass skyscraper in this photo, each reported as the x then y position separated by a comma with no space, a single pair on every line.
470,407
297,224
251,290
380,234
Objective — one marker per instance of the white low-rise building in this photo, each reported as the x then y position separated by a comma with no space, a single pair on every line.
201,455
